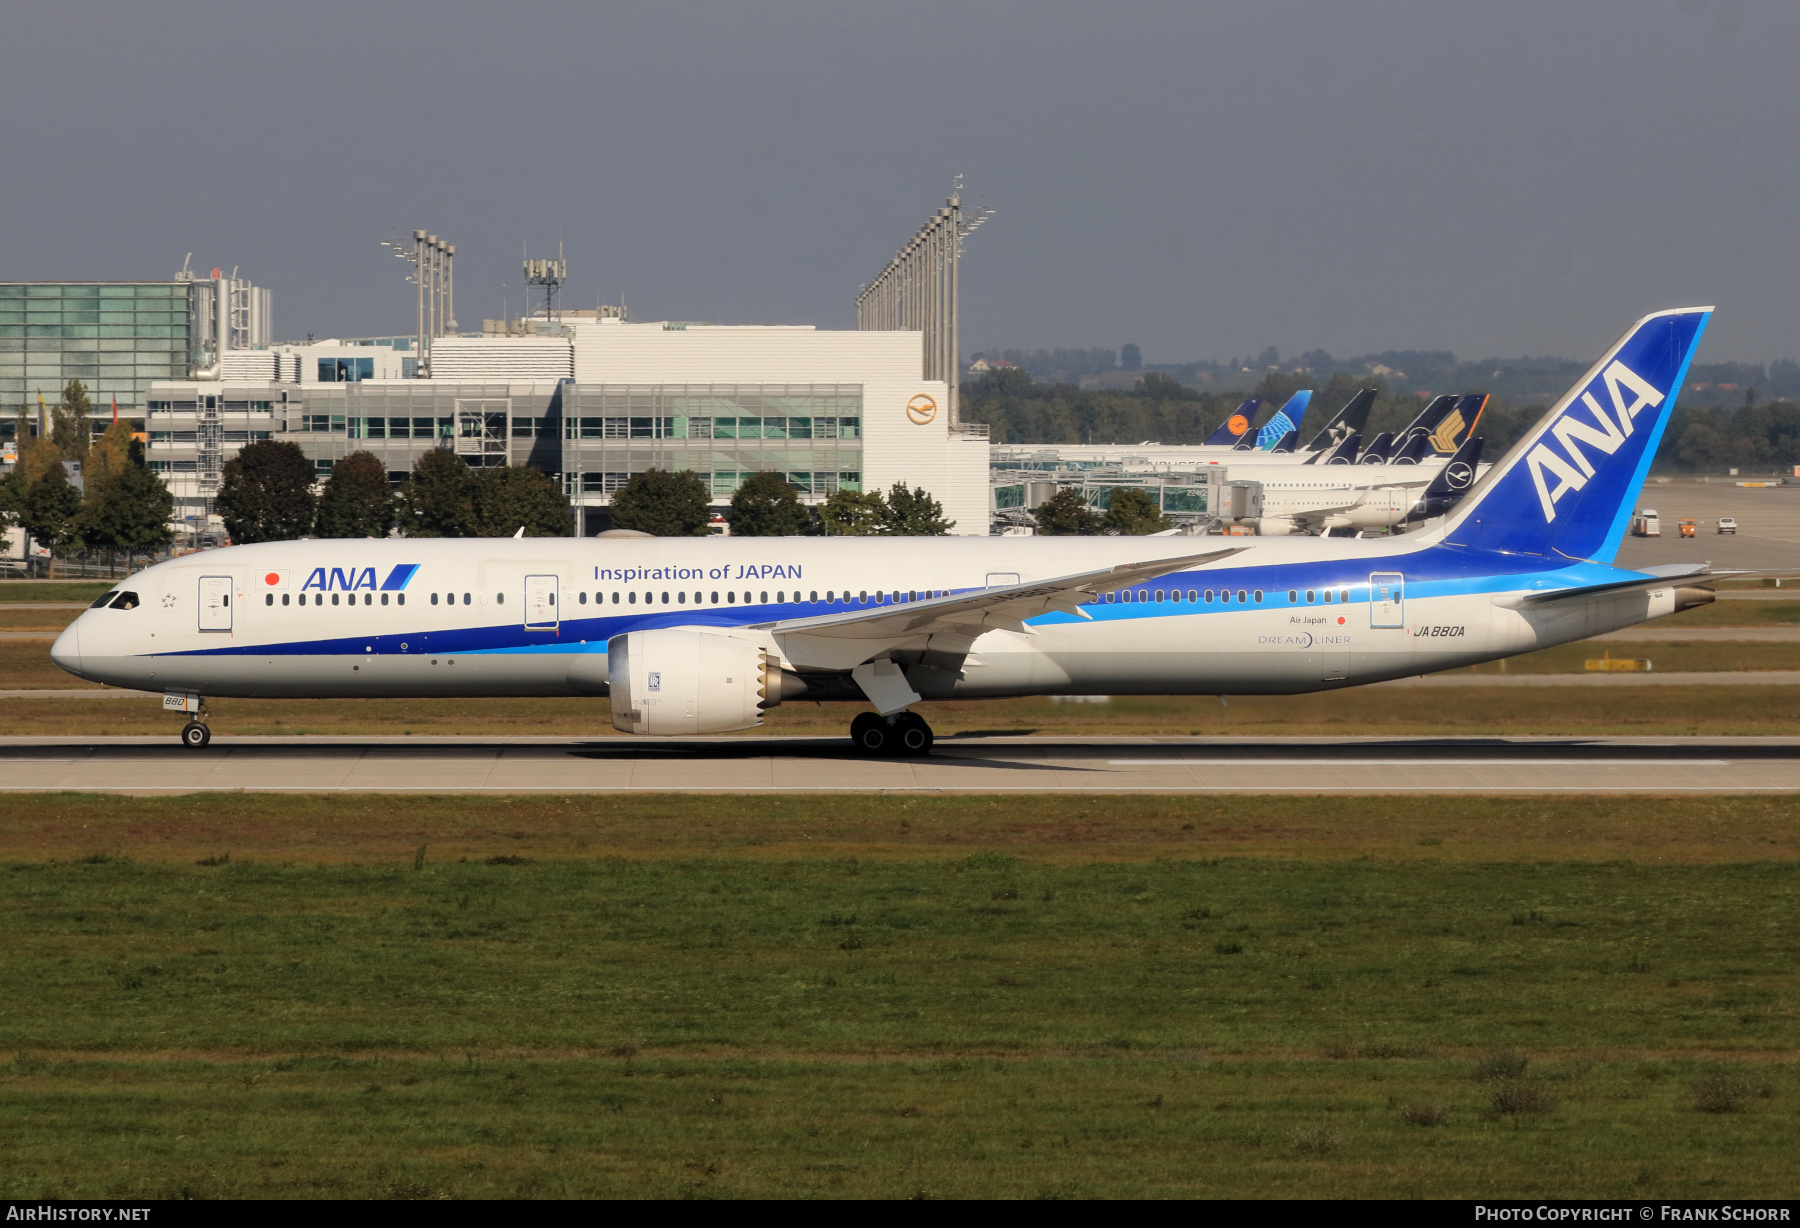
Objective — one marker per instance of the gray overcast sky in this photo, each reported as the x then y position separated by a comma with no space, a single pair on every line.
1202,179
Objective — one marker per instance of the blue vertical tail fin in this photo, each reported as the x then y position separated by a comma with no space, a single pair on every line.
1285,419
1566,490
1235,427
1350,419
1459,424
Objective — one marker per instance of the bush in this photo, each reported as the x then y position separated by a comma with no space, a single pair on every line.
1522,1096
1425,1114
1728,1093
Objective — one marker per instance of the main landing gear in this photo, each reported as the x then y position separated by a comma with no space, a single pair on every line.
903,733
195,736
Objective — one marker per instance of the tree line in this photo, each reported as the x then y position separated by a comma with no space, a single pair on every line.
121,505
676,504
268,494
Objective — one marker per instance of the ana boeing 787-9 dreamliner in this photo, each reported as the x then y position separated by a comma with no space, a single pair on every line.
701,635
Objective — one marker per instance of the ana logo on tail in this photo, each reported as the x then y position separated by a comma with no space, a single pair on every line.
1573,470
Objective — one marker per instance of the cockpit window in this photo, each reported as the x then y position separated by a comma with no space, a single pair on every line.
102,600
126,601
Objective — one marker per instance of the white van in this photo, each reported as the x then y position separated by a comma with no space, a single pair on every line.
1646,524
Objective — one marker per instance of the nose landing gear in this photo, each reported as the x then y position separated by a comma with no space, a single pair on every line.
195,736
903,733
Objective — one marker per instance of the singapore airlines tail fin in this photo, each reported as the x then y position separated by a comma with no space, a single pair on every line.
1235,427
1459,424
1435,413
1566,490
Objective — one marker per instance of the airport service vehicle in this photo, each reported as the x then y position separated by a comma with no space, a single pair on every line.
703,635
1686,528
1646,524
1728,524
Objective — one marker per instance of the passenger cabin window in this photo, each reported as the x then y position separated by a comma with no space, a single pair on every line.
499,598
284,599
434,598
1209,596
1293,595
268,598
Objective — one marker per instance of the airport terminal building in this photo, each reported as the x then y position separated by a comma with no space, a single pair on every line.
592,403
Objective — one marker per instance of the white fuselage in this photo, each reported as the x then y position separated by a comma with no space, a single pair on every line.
495,617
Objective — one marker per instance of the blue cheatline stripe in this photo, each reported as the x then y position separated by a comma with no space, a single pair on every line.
399,578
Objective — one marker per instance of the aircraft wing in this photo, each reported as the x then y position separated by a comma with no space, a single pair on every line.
837,641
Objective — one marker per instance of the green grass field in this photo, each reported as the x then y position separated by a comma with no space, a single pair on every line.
660,996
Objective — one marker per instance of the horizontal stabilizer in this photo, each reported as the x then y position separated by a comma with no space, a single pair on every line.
1660,574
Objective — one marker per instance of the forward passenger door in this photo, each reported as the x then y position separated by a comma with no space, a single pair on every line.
215,603
540,603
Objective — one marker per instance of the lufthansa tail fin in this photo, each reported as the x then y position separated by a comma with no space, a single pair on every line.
1350,419
1377,451
1285,444
1247,441
1565,491
1451,483
1412,451
1235,427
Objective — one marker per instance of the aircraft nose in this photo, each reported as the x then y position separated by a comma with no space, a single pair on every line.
66,652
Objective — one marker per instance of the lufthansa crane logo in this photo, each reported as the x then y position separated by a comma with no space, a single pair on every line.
1459,476
1238,424
921,409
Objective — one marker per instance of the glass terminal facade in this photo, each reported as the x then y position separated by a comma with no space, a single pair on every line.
593,438
116,337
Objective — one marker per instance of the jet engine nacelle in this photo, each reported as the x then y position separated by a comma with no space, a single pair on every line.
1276,526
687,680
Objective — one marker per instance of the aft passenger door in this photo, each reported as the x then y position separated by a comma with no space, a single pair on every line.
540,603
1387,592
215,603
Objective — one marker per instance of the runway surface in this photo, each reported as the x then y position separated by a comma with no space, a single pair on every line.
963,764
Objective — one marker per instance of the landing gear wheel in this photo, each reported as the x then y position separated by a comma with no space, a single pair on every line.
911,735
871,735
195,736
